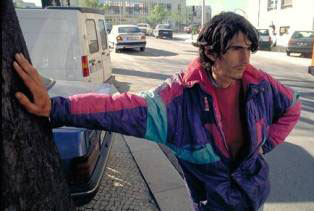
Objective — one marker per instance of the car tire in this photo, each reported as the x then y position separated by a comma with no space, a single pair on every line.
142,48
288,53
307,55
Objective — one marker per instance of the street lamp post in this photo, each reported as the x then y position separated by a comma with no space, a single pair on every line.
203,13
259,8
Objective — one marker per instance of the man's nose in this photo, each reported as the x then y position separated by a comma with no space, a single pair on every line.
245,55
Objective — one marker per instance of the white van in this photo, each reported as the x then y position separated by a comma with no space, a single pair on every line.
67,43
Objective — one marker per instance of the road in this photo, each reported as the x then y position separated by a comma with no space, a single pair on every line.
292,163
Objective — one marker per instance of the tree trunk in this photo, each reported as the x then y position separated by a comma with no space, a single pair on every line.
31,175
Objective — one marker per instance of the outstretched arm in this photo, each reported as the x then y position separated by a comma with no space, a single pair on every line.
127,113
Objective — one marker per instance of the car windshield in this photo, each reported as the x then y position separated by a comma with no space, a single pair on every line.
141,25
303,34
128,30
164,26
263,32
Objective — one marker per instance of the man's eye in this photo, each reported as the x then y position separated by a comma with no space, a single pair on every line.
236,48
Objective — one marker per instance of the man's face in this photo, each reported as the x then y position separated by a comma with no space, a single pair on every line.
230,66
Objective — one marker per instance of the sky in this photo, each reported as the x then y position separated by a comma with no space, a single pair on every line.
37,2
220,5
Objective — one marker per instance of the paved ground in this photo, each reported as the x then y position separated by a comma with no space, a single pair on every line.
123,186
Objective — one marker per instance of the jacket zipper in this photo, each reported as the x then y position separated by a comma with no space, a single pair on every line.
220,130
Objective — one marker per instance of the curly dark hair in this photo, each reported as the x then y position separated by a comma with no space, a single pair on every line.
217,33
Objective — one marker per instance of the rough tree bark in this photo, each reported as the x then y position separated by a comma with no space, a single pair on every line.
31,175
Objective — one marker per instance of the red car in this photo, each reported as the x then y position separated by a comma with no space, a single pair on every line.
190,28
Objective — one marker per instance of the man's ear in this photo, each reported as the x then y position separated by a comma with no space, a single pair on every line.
210,55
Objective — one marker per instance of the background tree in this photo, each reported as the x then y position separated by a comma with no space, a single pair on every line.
178,18
46,3
157,15
31,176
93,4
106,7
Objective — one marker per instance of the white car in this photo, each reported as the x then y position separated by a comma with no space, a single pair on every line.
67,43
126,36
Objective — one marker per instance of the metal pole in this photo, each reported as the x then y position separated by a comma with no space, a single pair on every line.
259,8
203,12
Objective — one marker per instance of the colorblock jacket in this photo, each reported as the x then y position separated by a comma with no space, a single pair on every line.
183,114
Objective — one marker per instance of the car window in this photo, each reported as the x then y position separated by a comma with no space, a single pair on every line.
103,34
92,36
128,30
164,26
302,34
263,32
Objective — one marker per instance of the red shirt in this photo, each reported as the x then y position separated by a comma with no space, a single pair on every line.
229,107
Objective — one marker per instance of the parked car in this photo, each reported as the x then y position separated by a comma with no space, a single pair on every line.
83,152
190,28
108,27
311,67
67,43
145,28
301,42
163,30
126,36
265,40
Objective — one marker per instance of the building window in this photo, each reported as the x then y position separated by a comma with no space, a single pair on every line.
272,5
286,4
284,30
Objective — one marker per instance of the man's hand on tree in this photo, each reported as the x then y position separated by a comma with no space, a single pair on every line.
41,105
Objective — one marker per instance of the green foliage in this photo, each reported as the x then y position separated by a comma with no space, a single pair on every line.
157,15
93,4
106,7
177,17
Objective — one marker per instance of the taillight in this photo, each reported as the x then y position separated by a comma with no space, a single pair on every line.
119,38
291,42
85,68
269,39
143,37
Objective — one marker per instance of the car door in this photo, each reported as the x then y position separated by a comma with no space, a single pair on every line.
95,62
105,52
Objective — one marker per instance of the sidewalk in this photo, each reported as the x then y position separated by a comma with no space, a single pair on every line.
163,180
188,38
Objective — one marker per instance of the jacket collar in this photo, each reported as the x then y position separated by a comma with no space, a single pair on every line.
195,74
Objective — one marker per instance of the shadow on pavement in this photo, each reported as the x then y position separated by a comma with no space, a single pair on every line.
291,174
306,91
151,52
150,75
121,86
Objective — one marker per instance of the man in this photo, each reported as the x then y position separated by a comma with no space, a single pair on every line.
218,116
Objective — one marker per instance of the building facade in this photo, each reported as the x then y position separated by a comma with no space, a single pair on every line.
136,11
283,17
